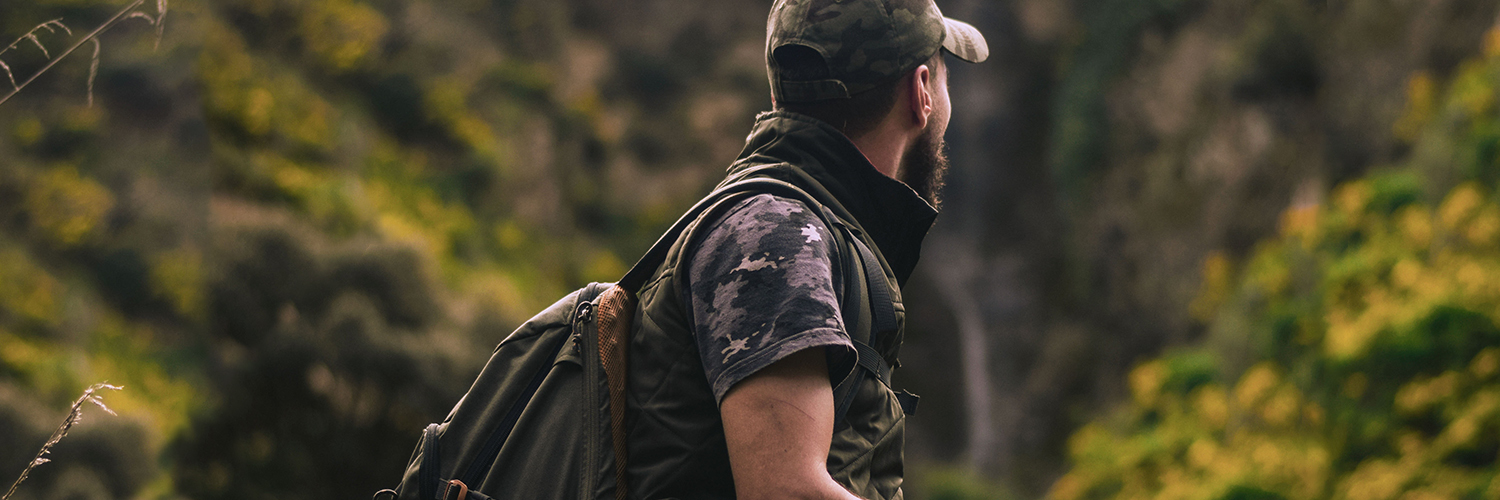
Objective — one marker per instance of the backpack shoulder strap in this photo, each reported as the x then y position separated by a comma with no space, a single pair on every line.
707,208
880,322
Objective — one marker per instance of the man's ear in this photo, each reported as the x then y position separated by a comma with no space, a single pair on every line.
918,96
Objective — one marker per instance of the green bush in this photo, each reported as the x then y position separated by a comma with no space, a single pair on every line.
1371,317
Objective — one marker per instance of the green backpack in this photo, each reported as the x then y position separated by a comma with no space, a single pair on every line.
545,418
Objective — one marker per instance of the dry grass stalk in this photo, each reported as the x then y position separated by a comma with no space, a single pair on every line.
51,27
128,12
90,396
161,25
93,71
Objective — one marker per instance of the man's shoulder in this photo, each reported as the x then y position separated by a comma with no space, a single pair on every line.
762,285
772,208
768,220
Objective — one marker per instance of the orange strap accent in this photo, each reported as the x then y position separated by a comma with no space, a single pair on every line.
463,490
616,315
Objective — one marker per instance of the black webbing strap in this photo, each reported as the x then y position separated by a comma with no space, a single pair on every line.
882,309
427,474
883,312
882,320
871,360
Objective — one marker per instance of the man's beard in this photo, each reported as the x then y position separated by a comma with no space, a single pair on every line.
925,165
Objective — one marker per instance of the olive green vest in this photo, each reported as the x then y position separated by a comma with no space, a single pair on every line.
676,441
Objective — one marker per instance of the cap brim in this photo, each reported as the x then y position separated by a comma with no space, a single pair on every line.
964,41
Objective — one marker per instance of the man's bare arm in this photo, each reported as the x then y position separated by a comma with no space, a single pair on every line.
778,424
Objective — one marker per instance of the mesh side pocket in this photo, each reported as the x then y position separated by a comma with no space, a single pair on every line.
616,313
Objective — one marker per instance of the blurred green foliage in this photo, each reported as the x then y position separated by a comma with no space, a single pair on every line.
953,482
295,230
1102,52
1354,356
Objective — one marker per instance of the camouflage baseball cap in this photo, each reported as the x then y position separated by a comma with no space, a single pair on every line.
864,43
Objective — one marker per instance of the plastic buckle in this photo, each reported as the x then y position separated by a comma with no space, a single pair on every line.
463,490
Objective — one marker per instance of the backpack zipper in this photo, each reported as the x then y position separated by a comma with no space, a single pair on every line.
491,450
588,341
585,315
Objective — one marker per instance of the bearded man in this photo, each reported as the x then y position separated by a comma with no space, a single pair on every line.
746,379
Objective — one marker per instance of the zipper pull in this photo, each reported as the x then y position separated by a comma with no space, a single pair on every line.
585,315
585,312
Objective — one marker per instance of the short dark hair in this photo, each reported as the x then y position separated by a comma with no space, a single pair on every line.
855,116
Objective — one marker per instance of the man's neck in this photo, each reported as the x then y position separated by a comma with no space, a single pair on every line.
884,147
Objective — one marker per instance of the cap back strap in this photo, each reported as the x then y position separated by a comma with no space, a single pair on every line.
809,91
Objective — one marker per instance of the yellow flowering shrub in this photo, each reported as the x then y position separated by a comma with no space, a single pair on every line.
1373,320
1379,383
1378,379
177,276
341,34
27,292
261,100
66,207
1255,438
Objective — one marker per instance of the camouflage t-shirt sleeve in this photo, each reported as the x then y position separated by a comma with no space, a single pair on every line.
762,286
